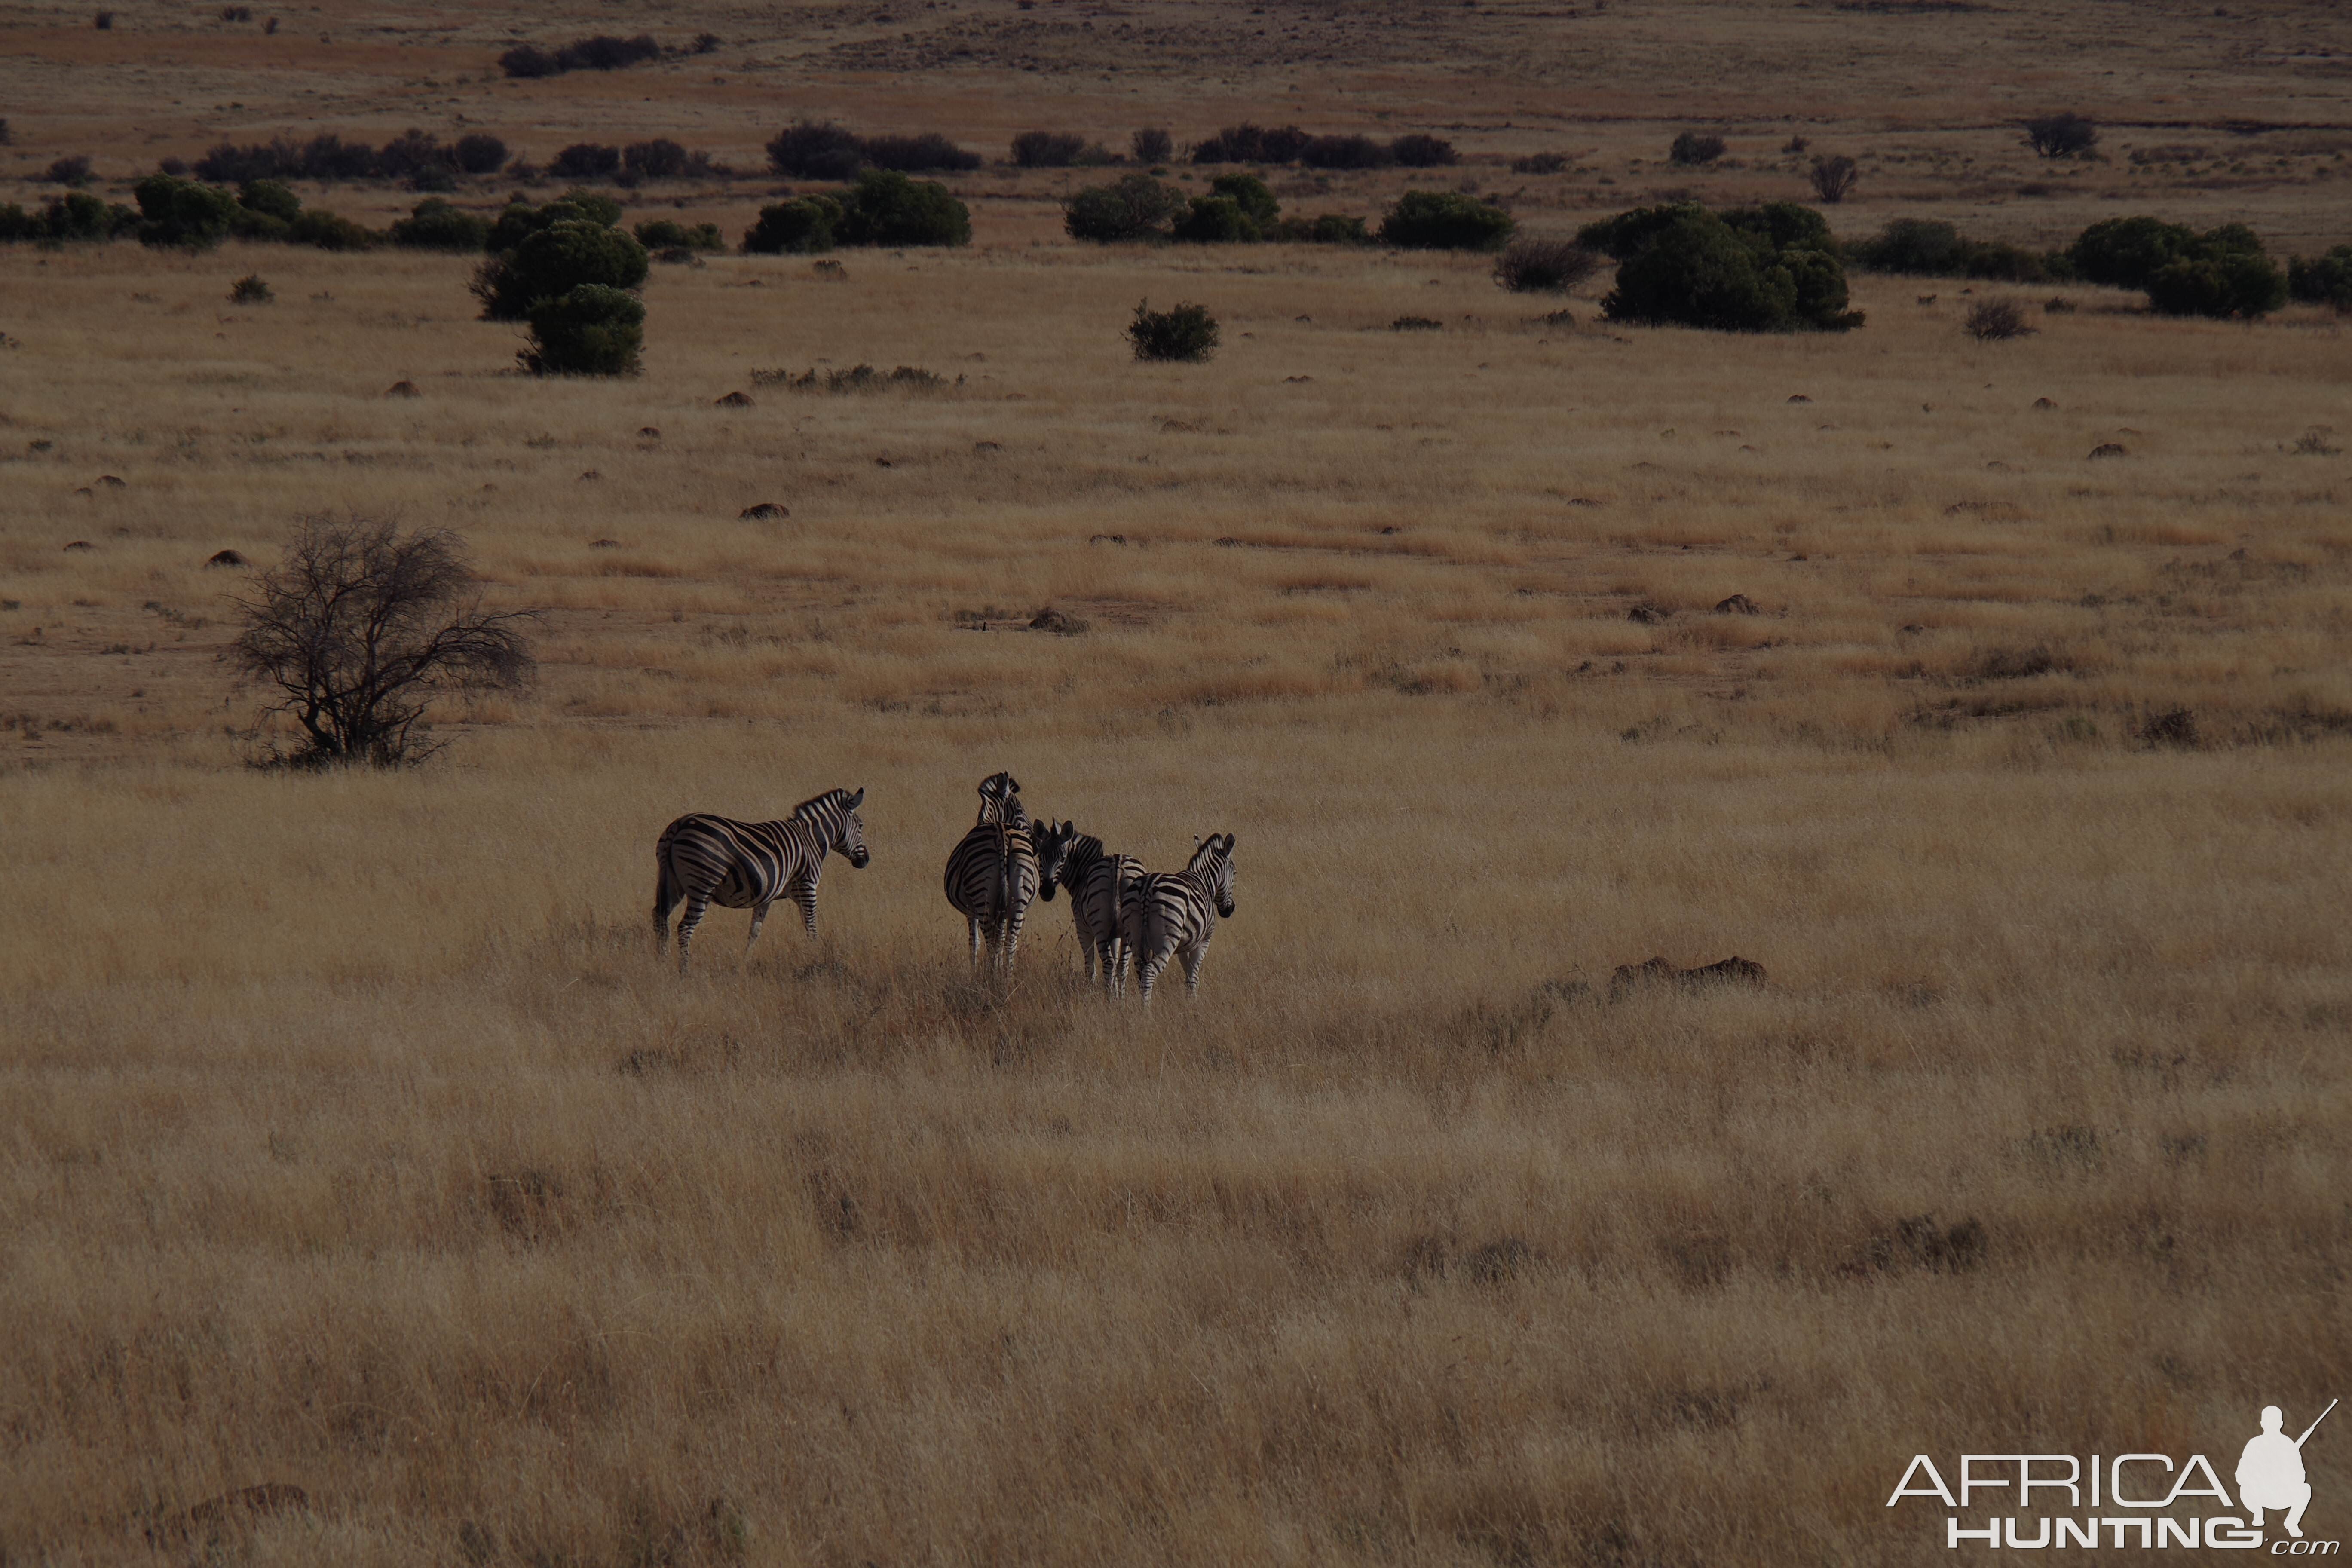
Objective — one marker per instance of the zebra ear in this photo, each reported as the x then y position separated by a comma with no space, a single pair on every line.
859,799
1229,843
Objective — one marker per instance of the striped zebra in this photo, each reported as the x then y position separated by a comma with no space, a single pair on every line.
994,872
748,865
1174,913
1093,881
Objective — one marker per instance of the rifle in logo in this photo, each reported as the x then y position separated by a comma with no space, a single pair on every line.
2270,1471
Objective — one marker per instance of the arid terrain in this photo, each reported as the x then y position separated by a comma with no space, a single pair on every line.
352,1138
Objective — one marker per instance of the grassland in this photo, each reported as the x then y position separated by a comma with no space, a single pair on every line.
351,1136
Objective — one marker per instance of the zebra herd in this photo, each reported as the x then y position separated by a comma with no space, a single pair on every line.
1122,913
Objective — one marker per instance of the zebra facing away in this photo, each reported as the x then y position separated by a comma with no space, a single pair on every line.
709,860
1094,880
994,872
1174,913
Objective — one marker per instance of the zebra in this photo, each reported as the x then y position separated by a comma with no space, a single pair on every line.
994,872
1095,881
709,860
1174,913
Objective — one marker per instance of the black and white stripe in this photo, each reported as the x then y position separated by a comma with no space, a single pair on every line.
1173,914
1093,879
708,861
994,872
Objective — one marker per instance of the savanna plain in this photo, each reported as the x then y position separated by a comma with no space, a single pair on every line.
353,1138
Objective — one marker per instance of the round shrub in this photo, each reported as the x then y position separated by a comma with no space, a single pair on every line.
1186,332
1345,153
804,226
885,208
918,154
1543,266
1252,195
2217,283
329,231
270,197
1419,150
185,213
1444,220
434,225
1216,220
481,154
590,330
816,151
78,216
1701,270
2322,280
666,233
1135,207
1047,148
1692,148
552,262
1625,235
585,161
2126,252
251,290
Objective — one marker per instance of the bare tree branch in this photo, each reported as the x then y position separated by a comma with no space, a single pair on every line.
361,625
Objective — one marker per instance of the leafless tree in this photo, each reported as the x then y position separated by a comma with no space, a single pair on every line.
1834,177
361,625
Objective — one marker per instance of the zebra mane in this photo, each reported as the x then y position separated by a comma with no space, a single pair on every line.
832,800
1213,848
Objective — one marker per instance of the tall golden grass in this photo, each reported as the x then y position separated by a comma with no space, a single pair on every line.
353,1138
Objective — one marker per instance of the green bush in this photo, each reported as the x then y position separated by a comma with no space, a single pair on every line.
270,198
520,220
1923,247
1328,229
590,330
1751,270
2222,272
79,216
434,225
331,231
257,225
551,262
666,233
1625,235
1444,220
2322,280
16,224
1048,149
251,290
1186,332
1252,195
183,212
1543,266
885,208
1216,220
804,226
2126,252
1692,148
1134,208
2217,283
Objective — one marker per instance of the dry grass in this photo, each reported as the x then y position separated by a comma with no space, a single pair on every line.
351,1138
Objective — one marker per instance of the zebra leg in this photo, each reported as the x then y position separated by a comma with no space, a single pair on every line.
759,919
973,921
697,906
804,894
1012,941
665,897
1192,957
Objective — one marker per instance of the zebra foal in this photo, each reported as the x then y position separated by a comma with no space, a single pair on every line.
1173,914
707,859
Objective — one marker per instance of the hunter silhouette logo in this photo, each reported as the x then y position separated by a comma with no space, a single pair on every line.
2270,1477
2270,1472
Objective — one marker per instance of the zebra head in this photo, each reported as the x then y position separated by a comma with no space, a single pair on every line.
1213,862
1051,840
839,824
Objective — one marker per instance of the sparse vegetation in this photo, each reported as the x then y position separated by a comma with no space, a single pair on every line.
1248,143
1186,334
1532,265
71,172
923,152
1151,145
824,151
2324,280
1997,321
1926,247
1540,164
360,627
1058,150
251,290
668,233
434,225
1835,178
585,161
